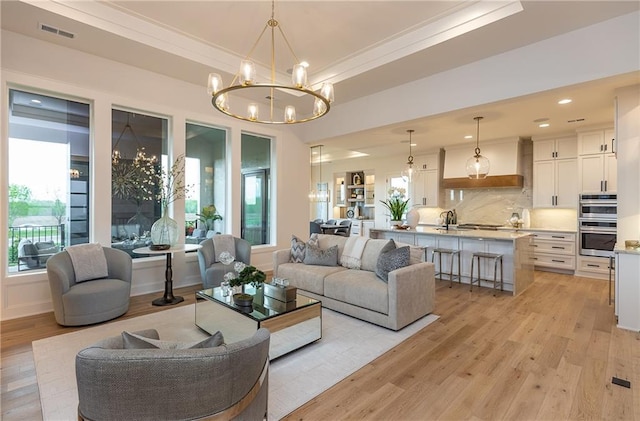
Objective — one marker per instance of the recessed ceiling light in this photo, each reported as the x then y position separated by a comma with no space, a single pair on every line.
36,101
543,125
564,101
468,136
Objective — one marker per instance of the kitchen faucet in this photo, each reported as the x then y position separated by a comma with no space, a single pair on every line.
448,218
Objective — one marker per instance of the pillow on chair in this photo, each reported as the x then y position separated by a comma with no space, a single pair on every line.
135,341
89,261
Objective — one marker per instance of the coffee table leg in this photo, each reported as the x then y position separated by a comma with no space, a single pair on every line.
168,298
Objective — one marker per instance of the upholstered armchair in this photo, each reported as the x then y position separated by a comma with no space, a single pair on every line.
78,303
227,382
213,271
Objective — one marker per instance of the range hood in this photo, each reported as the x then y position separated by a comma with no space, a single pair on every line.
506,159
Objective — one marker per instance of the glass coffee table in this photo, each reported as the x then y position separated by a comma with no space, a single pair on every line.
292,325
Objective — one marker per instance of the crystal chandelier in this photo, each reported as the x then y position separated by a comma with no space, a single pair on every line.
478,165
318,103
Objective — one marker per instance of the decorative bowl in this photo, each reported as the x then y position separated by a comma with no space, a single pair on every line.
632,244
159,247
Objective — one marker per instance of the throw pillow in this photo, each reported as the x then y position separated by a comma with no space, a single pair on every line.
416,252
316,256
392,260
298,248
89,261
135,341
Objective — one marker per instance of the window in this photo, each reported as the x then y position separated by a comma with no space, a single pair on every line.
139,150
256,189
48,177
205,174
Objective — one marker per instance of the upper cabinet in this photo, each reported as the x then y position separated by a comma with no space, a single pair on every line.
425,187
555,175
597,165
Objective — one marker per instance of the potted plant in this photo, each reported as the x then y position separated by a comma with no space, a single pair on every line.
242,275
396,204
208,216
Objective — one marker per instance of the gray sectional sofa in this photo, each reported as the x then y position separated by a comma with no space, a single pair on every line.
408,295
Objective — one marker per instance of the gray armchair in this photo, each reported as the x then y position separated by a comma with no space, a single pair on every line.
228,382
211,271
88,302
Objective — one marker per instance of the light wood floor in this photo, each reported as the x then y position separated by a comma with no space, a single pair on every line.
549,354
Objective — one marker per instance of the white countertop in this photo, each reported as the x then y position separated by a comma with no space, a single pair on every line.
620,248
466,233
505,228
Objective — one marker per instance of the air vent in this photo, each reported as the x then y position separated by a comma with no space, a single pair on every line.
54,30
576,120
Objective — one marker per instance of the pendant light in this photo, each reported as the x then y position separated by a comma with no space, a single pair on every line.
478,165
410,172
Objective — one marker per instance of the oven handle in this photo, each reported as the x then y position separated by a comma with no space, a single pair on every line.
599,202
597,230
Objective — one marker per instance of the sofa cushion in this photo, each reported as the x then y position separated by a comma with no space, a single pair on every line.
392,260
307,277
135,341
360,288
318,256
329,240
372,251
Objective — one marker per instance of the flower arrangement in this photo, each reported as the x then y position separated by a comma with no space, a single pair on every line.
242,274
209,215
173,186
396,204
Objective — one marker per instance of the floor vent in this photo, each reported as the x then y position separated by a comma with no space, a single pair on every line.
54,30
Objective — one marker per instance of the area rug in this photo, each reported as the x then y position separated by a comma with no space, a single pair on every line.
347,345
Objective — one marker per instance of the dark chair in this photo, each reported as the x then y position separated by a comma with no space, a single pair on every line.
314,228
319,221
346,231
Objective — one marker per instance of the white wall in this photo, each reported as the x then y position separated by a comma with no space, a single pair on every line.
628,153
104,83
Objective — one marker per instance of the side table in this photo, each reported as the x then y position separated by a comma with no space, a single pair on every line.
168,298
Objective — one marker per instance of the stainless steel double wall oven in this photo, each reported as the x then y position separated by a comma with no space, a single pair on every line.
598,224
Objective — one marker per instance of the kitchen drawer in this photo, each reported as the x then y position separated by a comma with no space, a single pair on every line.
554,236
557,247
596,265
556,262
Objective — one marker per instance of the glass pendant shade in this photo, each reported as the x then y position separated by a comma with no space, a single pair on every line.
319,107
478,166
289,114
410,172
327,91
299,76
252,111
247,72
222,102
215,83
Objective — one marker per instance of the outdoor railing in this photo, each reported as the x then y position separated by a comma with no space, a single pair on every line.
36,233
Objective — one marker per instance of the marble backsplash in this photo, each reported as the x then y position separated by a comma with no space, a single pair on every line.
495,206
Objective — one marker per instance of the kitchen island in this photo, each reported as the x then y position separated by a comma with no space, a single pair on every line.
514,246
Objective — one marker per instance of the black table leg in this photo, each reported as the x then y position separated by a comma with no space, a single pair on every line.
168,298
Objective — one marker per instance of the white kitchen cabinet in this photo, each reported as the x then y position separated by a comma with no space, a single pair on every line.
598,173
628,290
425,188
555,183
597,165
554,251
593,267
557,148
555,167
596,142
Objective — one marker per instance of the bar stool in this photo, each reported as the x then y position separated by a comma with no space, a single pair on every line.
496,258
450,274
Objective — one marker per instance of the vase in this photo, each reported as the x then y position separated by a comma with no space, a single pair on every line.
413,217
243,299
164,231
